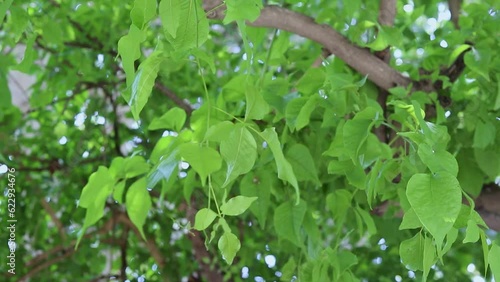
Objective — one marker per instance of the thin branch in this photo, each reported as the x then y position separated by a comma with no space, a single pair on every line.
55,219
358,58
176,99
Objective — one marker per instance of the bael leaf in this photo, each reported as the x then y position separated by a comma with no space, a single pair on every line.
204,160
436,199
239,150
438,160
302,163
288,221
170,9
258,184
129,51
257,107
173,119
285,171
494,261
135,166
144,81
138,204
142,12
242,10
237,205
229,245
191,22
411,252
204,218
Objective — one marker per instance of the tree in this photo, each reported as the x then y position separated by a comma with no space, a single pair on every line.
209,141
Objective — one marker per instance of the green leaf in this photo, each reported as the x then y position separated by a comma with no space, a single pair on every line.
472,233
242,10
438,160
164,169
410,220
237,205
144,81
30,56
258,184
285,171
219,131
138,204
484,135
411,252
257,107
305,113
129,50
173,119
356,131
170,9
3,8
494,261
204,218
312,80
458,50
204,160
488,161
229,245
436,199
303,163
429,257
118,191
189,21
97,189
288,221
143,12
135,166
239,150
478,60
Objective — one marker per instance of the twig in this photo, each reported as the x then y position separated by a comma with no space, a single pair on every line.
54,218
172,96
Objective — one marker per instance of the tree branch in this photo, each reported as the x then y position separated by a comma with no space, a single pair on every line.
172,96
358,58
454,6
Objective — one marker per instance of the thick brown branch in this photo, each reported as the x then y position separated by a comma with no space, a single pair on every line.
387,12
454,6
358,58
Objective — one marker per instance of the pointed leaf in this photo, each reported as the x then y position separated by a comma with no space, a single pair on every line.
237,205
229,245
138,204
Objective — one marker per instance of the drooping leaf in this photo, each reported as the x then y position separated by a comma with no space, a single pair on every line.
436,199
239,150
285,171
144,81
138,204
288,220
258,184
229,245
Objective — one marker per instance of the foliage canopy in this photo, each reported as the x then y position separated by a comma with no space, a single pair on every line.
215,141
